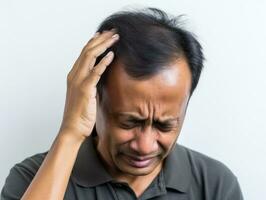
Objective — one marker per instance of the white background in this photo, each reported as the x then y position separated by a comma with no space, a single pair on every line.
40,40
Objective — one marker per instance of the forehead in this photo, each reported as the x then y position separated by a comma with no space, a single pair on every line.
168,88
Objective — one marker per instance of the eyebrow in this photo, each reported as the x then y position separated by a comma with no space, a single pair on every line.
136,117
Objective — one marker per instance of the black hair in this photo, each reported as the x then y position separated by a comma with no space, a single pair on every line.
150,39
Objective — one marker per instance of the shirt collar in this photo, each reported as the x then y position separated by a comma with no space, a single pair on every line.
89,171
177,169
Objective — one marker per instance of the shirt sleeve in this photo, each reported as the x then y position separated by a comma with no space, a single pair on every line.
20,177
234,192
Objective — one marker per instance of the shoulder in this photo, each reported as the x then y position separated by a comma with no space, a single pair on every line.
28,166
20,176
211,175
203,164
31,164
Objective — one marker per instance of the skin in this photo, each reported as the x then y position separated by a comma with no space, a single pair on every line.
127,121
160,97
50,182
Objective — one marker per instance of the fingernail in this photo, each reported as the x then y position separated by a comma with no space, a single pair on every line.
96,34
115,36
109,54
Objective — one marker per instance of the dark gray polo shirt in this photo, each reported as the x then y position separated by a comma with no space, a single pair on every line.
186,175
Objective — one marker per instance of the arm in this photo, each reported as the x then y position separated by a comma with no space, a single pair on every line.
51,179
234,193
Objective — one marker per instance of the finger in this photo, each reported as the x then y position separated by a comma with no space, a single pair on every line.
90,43
93,37
98,70
88,60
74,68
96,35
99,38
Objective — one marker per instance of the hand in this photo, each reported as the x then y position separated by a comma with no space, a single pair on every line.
80,106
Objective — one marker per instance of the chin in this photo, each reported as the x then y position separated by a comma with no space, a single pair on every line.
137,172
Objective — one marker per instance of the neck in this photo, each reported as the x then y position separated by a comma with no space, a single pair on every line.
137,183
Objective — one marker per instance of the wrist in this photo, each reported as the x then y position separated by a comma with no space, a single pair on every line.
71,136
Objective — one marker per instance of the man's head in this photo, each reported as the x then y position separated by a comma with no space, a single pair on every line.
143,95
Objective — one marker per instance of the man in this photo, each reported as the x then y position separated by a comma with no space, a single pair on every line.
118,136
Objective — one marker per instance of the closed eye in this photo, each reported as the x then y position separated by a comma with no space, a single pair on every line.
131,124
164,127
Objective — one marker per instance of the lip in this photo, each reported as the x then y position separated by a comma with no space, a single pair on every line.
139,162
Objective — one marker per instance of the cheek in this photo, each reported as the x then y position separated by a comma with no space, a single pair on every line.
167,141
121,136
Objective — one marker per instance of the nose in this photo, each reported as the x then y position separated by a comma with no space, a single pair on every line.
145,142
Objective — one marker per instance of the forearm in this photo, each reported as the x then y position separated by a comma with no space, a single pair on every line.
51,180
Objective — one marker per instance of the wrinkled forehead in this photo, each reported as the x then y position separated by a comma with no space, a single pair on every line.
170,86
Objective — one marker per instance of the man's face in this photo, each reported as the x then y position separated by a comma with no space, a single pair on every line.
138,121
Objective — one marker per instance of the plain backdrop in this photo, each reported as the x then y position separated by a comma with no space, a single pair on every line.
40,41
